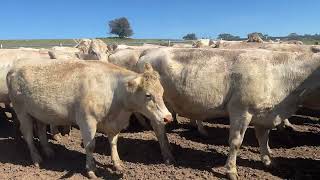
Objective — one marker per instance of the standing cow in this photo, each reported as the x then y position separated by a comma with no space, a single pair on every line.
250,86
90,94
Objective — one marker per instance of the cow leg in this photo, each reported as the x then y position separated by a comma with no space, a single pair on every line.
288,125
55,132
15,120
193,122
42,134
239,121
88,128
262,135
113,139
161,135
201,128
26,127
175,116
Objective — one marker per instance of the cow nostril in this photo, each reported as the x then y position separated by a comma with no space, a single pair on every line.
167,118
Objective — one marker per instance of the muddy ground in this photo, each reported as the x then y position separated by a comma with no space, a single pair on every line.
296,154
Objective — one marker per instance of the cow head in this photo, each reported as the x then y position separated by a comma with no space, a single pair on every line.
146,96
94,49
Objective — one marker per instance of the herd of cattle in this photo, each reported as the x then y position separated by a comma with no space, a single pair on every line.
258,83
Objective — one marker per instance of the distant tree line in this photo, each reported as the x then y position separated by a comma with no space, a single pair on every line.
295,36
122,28
230,37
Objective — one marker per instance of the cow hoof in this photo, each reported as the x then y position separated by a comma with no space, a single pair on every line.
92,175
37,159
118,167
169,161
232,176
266,161
36,165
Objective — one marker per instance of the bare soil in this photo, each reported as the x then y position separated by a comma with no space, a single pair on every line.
296,155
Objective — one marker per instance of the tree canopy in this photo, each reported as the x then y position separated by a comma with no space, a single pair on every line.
190,36
120,27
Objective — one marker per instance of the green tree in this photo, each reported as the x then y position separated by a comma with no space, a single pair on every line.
229,37
190,36
120,27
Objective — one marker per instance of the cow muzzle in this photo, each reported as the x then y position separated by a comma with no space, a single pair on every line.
168,118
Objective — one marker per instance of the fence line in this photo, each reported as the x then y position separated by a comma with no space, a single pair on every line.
3,45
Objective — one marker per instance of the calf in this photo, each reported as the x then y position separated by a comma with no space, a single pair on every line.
91,94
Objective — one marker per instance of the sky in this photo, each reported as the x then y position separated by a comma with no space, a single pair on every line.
51,19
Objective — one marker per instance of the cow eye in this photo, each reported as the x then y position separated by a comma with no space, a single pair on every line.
148,96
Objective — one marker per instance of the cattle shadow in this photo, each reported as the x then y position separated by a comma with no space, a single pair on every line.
15,151
219,134
65,160
303,120
286,168
148,152
308,112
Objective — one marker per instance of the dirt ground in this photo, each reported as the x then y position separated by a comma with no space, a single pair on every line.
296,154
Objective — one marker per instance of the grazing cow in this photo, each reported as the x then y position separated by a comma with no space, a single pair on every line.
250,86
90,94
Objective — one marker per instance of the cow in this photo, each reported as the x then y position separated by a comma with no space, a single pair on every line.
284,47
127,58
90,94
58,52
7,58
255,86
92,49
294,42
200,43
254,37
182,45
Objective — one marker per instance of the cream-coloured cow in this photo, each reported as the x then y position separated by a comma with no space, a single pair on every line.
90,94
58,52
93,49
255,86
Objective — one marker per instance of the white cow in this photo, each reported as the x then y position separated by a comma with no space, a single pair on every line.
250,86
90,94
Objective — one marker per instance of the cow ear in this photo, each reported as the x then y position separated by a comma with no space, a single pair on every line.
133,84
148,67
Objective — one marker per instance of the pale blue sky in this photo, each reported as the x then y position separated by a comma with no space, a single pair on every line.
38,19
